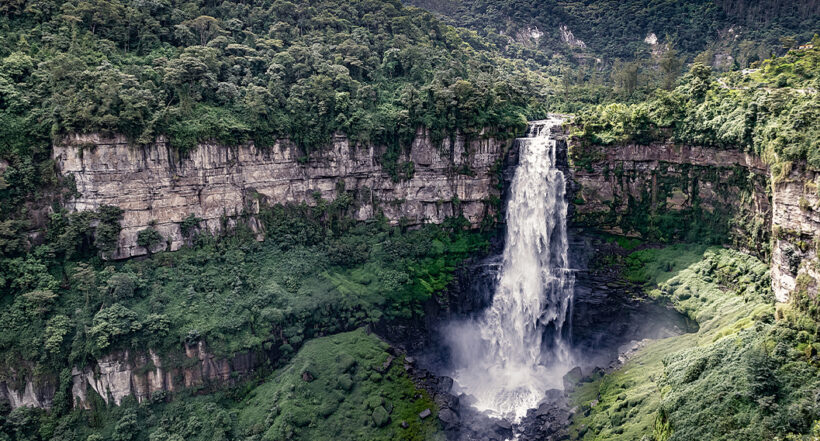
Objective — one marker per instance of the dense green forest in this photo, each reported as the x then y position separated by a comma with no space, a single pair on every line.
771,112
261,70
315,276
236,71
746,29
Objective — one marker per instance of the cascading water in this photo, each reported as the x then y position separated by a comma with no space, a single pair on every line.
518,349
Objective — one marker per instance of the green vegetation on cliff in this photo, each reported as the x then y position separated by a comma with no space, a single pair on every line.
62,306
351,396
750,372
318,274
773,112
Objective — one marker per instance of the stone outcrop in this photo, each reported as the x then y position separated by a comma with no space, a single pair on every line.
30,393
139,374
143,375
631,189
156,186
796,231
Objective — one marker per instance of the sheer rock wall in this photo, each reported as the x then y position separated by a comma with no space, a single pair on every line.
154,185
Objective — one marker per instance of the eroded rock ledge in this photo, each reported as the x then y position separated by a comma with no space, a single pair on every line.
153,184
140,374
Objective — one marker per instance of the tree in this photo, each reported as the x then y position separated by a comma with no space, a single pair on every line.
625,75
205,26
55,333
788,42
126,428
112,324
670,67
84,279
121,286
41,301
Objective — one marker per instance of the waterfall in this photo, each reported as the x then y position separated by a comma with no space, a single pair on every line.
511,355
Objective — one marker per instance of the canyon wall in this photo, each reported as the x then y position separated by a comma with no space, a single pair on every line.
657,191
796,233
670,192
157,187
143,375
690,191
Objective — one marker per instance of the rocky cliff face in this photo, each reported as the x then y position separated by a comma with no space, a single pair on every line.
796,233
670,191
156,186
141,374
635,189
28,392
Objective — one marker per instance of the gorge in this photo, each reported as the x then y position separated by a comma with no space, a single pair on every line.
529,317
265,220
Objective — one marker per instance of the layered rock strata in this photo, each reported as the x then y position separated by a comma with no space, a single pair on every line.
143,375
157,187
796,233
624,189
654,189
130,373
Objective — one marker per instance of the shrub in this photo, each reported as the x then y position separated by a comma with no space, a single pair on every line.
149,238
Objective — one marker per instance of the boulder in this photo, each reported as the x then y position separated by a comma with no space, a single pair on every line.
449,419
572,378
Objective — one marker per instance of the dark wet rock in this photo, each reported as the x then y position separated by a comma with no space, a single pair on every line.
444,384
549,421
543,410
449,419
554,395
572,378
449,401
593,374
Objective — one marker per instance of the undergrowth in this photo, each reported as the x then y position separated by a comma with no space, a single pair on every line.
749,373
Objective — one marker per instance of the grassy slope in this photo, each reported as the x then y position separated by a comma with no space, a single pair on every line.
726,381
344,400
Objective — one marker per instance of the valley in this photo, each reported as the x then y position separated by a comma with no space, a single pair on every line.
369,220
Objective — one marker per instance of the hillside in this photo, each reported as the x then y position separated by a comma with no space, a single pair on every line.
735,31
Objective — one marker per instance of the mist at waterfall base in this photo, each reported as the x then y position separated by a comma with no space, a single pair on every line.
506,358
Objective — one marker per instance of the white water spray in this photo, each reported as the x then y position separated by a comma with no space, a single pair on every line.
518,349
